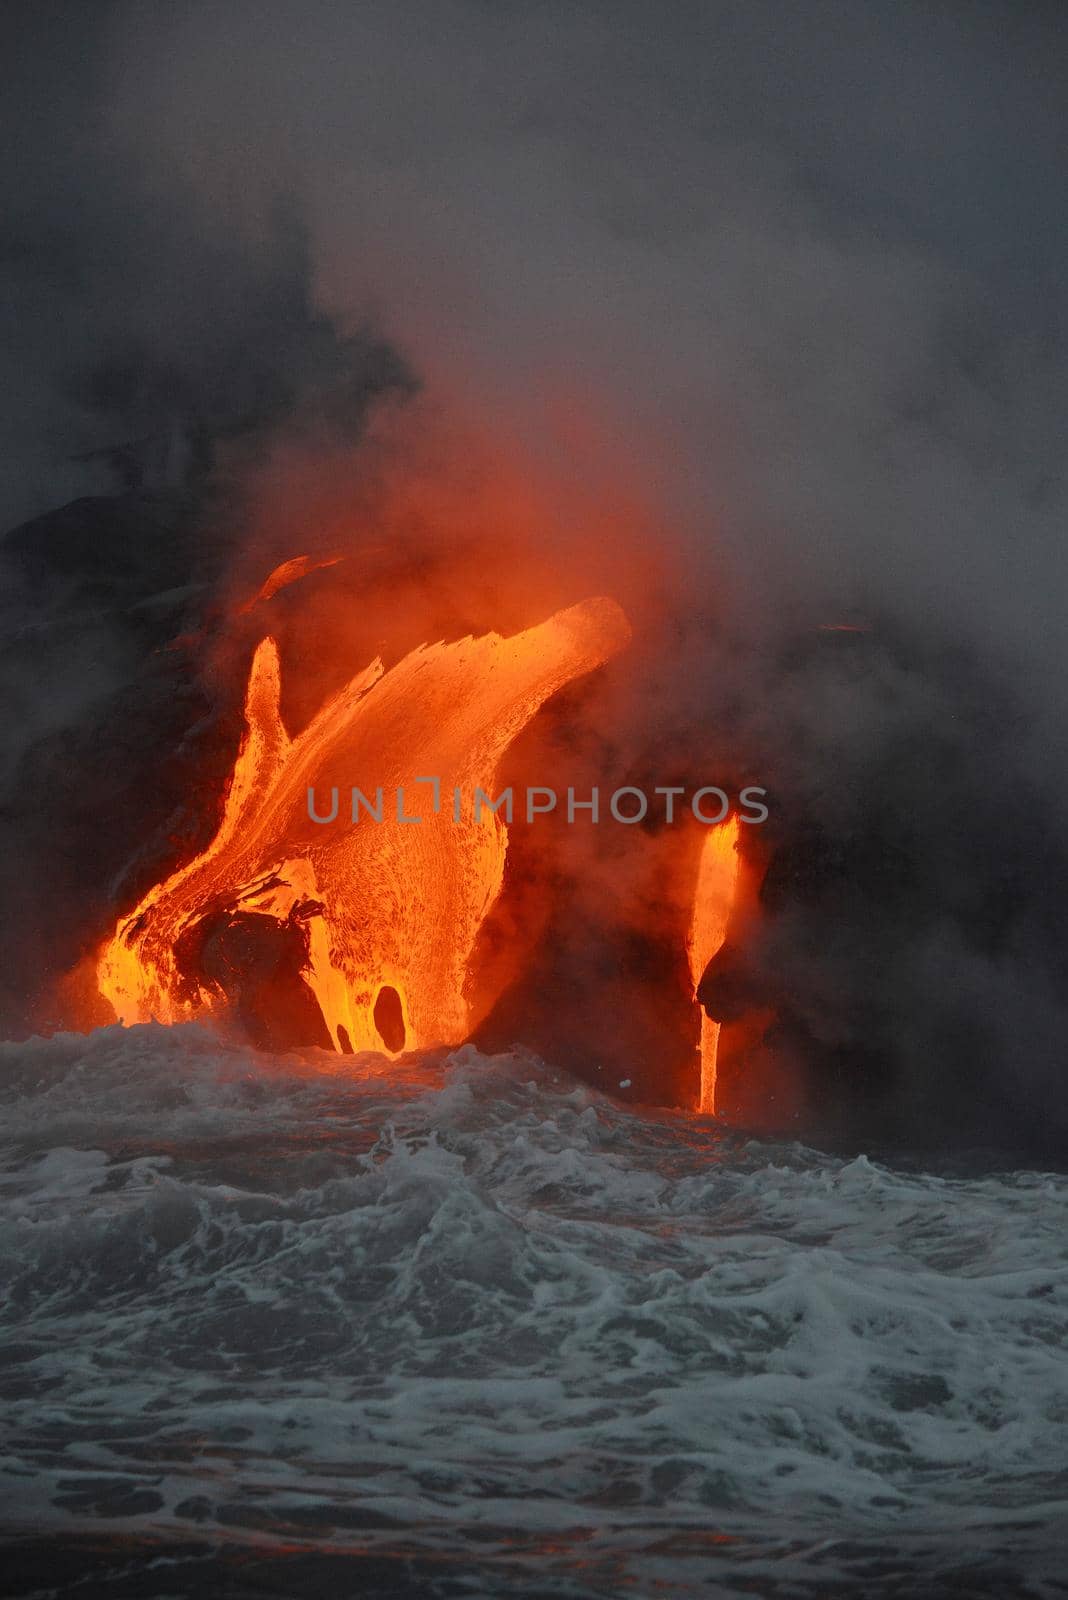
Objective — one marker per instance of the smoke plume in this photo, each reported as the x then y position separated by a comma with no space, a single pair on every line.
752,315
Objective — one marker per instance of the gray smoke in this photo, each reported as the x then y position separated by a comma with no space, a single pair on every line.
806,266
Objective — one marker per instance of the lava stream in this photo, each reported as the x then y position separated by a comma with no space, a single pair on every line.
385,910
717,880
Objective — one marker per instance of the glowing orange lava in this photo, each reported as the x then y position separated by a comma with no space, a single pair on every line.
385,908
717,881
286,573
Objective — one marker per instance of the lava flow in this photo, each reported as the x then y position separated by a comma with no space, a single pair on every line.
717,881
383,914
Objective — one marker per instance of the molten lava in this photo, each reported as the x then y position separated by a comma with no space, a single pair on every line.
386,912
283,575
717,881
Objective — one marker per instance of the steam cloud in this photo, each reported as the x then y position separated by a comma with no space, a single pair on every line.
796,271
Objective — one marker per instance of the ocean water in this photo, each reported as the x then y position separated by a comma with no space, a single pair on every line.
464,1327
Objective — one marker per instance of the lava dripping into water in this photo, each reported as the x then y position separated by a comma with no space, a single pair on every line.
717,882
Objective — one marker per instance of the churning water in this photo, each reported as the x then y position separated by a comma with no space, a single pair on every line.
462,1327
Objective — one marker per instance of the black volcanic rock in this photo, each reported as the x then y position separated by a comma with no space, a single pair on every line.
112,549
115,748
730,987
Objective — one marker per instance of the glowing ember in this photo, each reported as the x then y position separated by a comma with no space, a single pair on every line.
717,880
285,574
386,912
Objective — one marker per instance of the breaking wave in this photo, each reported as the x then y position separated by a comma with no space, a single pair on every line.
460,1326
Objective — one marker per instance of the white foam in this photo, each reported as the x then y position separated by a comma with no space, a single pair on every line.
480,1295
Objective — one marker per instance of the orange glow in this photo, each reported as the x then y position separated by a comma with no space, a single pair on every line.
284,574
717,882
386,908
